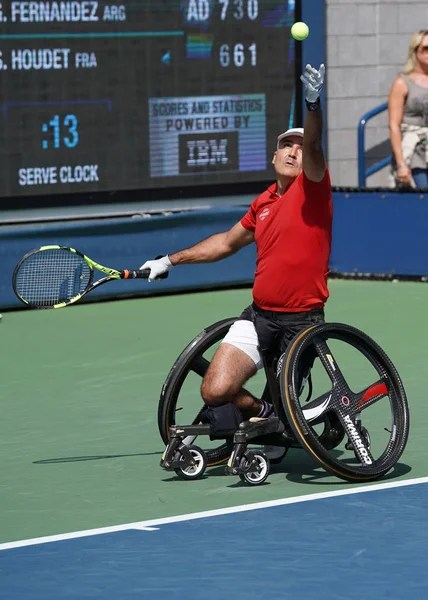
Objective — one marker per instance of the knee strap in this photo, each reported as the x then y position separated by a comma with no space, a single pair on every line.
223,420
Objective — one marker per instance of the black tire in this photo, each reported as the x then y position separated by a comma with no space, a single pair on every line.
261,473
191,359
342,403
198,470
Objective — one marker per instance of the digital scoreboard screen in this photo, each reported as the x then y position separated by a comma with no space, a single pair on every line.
142,94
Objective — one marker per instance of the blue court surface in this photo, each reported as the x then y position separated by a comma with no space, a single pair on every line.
367,542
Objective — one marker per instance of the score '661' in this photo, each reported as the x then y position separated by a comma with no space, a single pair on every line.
237,55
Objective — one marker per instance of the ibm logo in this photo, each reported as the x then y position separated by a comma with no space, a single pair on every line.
207,152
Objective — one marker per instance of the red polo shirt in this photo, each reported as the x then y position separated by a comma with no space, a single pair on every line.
293,238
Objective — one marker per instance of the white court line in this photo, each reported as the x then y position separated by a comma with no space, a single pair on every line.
151,525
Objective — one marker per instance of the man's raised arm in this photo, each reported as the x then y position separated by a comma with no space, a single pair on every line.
313,156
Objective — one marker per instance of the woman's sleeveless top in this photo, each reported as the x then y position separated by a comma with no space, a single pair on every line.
416,113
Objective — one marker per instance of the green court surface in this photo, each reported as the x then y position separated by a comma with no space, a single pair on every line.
79,443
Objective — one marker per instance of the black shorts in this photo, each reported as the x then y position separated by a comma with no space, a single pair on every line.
275,330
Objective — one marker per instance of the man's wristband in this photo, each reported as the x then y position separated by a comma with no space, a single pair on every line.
402,164
313,106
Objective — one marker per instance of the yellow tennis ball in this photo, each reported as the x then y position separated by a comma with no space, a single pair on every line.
300,31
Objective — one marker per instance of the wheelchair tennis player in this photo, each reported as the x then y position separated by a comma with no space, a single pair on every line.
291,224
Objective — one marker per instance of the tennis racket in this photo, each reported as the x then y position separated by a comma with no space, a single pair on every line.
57,276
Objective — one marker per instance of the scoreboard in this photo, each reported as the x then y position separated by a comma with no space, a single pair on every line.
142,94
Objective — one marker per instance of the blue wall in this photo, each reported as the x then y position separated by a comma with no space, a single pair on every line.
380,233
372,233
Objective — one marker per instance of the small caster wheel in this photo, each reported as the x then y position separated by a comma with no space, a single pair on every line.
193,471
259,470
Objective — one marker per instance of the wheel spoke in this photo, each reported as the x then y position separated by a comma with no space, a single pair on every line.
199,365
330,365
371,394
314,410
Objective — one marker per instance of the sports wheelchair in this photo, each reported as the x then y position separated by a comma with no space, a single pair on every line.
332,378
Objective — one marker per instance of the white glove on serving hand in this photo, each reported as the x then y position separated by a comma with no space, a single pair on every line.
157,267
313,81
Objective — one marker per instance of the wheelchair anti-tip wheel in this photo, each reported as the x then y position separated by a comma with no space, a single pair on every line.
196,470
254,467
354,383
180,401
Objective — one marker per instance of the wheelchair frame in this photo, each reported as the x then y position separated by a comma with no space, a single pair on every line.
290,427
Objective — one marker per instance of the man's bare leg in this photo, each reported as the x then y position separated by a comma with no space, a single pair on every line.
230,368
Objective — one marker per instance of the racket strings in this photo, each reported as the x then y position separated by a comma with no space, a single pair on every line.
51,277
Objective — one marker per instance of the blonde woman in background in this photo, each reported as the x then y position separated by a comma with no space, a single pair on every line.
408,116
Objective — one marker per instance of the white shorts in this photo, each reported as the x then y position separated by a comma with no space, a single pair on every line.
243,335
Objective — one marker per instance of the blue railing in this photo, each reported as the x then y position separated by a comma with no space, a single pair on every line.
363,173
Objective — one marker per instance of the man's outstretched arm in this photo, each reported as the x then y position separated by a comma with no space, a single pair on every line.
214,248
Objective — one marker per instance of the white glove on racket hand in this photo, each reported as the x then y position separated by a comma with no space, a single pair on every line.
313,81
157,267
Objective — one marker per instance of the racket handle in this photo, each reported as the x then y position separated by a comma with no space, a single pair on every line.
140,274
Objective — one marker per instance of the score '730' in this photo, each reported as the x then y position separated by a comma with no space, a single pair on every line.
199,10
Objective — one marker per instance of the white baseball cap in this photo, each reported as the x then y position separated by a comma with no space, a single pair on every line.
289,133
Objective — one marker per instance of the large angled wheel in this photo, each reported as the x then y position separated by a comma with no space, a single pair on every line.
180,401
352,379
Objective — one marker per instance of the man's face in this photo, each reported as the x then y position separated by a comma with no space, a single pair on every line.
287,160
